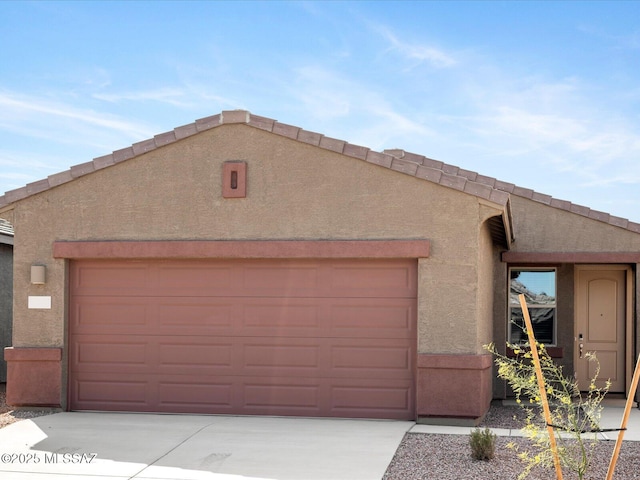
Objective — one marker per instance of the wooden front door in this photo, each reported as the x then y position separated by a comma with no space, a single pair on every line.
600,325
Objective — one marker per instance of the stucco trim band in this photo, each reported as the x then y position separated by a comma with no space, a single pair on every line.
34,376
244,249
571,257
453,386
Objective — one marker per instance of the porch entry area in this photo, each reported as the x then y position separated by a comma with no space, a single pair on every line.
603,325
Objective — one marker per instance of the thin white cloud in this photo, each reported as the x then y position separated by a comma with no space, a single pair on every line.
15,107
361,111
417,53
172,96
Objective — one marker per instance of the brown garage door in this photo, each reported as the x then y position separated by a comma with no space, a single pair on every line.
265,337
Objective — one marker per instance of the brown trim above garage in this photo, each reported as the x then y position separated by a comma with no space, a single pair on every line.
571,257
244,249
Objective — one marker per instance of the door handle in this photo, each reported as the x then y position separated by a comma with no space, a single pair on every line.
580,345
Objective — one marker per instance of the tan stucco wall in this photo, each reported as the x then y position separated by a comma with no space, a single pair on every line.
541,228
295,191
488,262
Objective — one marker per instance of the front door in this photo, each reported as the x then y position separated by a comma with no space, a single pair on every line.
600,326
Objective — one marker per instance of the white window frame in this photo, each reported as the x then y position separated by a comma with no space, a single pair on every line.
511,305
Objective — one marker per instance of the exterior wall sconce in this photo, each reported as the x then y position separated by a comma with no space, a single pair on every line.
38,273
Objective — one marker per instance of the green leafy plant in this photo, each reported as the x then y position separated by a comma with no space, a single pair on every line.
575,416
483,444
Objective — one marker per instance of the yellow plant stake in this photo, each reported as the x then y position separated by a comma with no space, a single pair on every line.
625,418
541,386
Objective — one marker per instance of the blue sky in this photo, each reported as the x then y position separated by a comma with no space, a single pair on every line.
545,95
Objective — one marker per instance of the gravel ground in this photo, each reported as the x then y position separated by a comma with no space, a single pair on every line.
447,457
9,416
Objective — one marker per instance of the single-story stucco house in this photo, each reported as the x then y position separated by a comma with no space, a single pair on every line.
239,265
6,290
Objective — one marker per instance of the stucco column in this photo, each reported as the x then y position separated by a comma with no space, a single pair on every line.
34,376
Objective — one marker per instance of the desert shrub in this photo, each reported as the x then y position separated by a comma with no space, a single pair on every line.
574,416
483,444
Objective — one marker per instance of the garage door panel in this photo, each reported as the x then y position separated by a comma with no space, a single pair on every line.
265,316
109,353
373,318
107,314
262,355
380,279
104,278
196,316
191,277
266,337
363,398
200,394
88,391
281,279
188,354
377,361
279,397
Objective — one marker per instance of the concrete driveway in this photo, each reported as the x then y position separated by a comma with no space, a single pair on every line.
101,446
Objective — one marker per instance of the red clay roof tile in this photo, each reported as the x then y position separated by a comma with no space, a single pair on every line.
468,174
286,130
145,146
409,163
185,131
429,173
429,162
215,120
355,151
103,162
123,154
332,144
59,178
37,187
165,138
378,158
410,168
312,138
82,169
478,189
453,181
234,116
542,198
263,123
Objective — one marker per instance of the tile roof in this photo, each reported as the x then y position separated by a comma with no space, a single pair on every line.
419,166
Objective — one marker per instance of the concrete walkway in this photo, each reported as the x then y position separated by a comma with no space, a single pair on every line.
611,418
105,446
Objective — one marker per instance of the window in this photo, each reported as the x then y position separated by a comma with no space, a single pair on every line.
539,289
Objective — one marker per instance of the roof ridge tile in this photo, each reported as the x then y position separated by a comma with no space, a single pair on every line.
103,162
309,137
165,138
332,144
82,169
396,159
453,181
356,151
123,154
378,158
144,146
429,173
404,166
